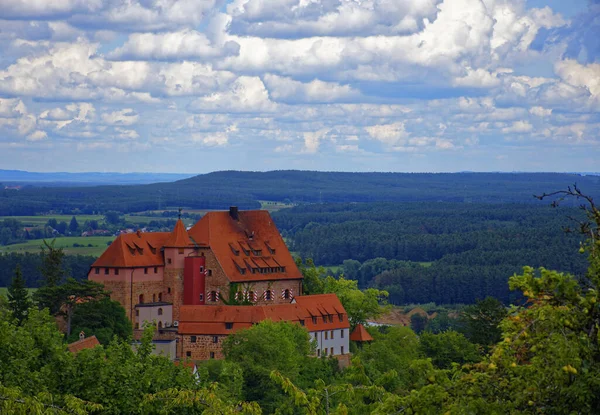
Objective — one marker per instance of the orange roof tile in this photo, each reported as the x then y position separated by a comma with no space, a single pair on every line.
179,237
86,343
254,236
360,334
210,320
134,250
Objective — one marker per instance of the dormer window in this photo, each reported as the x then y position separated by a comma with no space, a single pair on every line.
228,326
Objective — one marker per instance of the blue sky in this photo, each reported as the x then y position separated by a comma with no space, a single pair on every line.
194,86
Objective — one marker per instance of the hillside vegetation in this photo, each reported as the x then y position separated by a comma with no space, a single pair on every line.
219,190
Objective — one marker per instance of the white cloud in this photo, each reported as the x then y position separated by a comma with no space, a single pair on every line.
390,134
518,127
246,94
185,44
125,116
290,90
540,111
312,140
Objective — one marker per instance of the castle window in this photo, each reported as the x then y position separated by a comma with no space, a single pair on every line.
159,297
188,354
341,317
286,294
106,271
325,351
201,297
145,270
228,326
302,322
137,313
342,331
331,351
319,353
326,335
236,252
268,295
201,269
331,334
116,271
342,352
213,296
153,298
160,312
210,272
212,355
314,319
169,290
168,260
156,270
160,324
141,299
215,339
97,270
330,318
192,339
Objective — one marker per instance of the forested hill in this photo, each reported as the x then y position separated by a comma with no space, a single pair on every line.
219,190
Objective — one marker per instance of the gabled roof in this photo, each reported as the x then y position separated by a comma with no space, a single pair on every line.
360,334
252,241
130,250
210,320
86,343
179,237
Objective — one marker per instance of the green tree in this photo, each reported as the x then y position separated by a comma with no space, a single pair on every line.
448,347
265,347
72,294
53,274
73,225
18,296
480,322
361,305
312,283
103,318
112,217
418,322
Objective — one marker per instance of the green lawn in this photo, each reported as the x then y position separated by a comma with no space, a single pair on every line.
99,244
273,206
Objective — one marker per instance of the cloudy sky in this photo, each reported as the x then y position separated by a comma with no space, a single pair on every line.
194,86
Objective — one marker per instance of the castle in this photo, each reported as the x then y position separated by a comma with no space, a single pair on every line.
230,270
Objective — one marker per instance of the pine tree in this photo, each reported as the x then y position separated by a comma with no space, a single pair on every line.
18,296
53,275
73,225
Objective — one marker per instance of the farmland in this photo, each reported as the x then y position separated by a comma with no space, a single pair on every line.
98,245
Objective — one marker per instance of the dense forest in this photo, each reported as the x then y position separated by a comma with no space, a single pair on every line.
76,266
434,252
219,190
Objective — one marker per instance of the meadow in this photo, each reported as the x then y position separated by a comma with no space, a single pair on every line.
98,245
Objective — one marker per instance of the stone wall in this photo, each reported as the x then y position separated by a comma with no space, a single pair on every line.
202,348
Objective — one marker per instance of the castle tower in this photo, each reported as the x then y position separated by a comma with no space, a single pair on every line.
177,248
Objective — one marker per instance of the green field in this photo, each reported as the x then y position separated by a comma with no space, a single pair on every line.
99,244
4,291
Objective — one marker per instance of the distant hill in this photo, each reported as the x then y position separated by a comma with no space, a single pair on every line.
85,179
219,190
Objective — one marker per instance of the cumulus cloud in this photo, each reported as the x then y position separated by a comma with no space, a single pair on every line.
185,44
290,90
246,94
125,116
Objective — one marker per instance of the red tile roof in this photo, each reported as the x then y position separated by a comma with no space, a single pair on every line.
86,343
252,242
210,320
179,237
130,250
360,334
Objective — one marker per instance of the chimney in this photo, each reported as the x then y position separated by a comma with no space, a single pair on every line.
233,212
